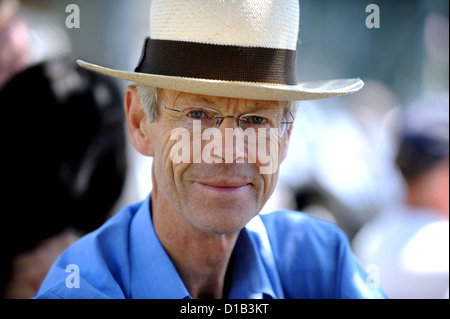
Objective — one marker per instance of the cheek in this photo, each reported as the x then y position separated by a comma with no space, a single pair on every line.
268,163
171,160
270,182
162,144
268,155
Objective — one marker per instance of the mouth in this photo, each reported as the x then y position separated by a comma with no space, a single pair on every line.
224,186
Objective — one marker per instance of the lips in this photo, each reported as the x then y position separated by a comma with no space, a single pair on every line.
221,178
224,185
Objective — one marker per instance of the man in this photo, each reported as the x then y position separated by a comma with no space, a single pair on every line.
212,106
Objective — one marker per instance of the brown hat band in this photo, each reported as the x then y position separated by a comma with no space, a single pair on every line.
218,62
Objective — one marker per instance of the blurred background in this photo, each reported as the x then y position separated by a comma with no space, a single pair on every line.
342,162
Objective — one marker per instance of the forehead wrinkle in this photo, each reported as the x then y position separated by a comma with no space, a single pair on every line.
225,105
204,99
215,102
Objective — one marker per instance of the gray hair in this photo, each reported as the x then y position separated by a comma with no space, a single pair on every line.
149,98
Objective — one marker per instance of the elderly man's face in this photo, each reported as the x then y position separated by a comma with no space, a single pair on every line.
214,196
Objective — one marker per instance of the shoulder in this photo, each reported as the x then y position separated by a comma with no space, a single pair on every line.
295,219
314,258
300,243
96,266
302,229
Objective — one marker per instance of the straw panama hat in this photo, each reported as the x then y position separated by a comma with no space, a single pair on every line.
230,48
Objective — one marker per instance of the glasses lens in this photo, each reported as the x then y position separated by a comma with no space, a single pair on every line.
263,123
189,114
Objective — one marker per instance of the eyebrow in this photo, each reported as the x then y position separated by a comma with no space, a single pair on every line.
254,108
203,99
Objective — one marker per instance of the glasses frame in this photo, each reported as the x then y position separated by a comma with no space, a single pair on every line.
238,119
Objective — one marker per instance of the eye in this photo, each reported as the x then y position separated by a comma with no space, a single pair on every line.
197,114
257,120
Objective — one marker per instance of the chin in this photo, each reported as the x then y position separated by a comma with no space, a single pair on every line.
221,221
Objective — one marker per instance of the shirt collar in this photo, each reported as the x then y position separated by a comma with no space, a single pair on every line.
154,276
250,279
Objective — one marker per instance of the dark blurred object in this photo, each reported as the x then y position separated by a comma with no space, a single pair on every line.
64,154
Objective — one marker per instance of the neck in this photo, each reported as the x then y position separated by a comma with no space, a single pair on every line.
200,258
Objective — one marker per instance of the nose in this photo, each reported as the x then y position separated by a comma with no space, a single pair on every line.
221,120
232,142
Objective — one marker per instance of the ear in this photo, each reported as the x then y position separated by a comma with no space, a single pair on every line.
137,122
285,143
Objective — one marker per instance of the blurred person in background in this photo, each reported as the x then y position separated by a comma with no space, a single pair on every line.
409,243
14,41
64,160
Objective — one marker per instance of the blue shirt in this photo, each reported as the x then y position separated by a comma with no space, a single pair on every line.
284,254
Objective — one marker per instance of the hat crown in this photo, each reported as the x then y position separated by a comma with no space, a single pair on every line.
250,23
231,48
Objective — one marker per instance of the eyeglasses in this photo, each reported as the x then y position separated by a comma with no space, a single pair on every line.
211,118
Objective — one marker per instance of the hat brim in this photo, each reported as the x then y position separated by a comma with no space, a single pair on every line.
244,90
